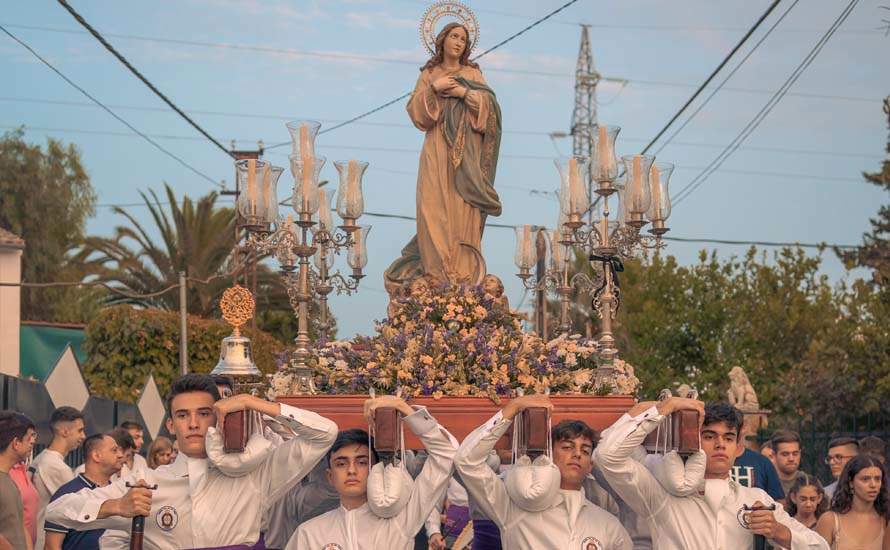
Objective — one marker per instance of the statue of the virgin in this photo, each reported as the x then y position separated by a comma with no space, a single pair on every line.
458,112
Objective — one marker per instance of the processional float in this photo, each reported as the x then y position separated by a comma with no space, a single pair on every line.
604,206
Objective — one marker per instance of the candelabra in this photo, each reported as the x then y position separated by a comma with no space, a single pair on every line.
312,235
624,203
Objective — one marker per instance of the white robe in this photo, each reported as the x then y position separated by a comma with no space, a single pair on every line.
361,529
685,523
195,505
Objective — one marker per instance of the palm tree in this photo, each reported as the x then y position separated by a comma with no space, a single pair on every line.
197,237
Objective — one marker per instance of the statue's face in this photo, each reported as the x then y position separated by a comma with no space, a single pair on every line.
455,42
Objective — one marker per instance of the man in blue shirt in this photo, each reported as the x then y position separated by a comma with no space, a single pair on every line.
102,459
752,469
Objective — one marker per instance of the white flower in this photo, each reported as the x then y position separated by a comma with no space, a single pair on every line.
340,364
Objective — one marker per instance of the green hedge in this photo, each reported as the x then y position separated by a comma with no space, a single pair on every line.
125,344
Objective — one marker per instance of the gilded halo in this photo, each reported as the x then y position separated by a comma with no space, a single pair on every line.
452,10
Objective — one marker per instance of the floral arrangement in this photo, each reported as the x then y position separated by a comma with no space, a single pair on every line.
459,341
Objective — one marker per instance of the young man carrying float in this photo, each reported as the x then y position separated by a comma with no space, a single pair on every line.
718,517
571,521
353,526
195,506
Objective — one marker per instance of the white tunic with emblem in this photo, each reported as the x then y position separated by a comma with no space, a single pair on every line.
573,523
712,521
361,529
195,505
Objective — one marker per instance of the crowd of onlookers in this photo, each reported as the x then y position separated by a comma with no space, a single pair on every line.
856,466
28,484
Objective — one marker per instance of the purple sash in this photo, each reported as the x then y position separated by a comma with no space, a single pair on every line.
456,519
486,535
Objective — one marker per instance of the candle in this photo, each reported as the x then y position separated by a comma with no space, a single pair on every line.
527,244
308,165
637,194
351,185
656,191
251,185
574,186
266,192
603,152
324,212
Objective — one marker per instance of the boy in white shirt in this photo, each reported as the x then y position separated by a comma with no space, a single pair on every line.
720,516
196,505
353,526
49,468
572,521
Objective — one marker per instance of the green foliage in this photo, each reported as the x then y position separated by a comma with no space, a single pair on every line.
808,347
125,344
46,198
692,324
197,237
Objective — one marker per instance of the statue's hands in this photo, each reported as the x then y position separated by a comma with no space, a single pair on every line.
441,84
457,91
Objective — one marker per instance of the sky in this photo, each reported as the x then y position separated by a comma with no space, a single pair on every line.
243,68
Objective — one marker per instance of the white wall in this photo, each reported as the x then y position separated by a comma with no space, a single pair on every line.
10,309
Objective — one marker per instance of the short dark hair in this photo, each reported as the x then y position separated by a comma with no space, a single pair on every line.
90,444
123,438
842,441
874,446
721,411
567,430
785,436
192,383
130,425
13,425
354,436
768,444
64,414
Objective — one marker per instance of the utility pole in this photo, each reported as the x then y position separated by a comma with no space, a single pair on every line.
183,326
584,114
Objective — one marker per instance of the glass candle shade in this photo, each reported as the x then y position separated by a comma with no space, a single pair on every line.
305,197
637,191
302,137
350,201
573,193
604,163
659,180
257,200
358,251
525,255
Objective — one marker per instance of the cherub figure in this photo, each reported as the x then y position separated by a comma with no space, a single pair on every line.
494,289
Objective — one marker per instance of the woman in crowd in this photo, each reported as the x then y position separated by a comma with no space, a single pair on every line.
806,500
860,507
160,452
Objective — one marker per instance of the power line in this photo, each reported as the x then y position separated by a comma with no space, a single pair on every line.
378,59
767,108
41,101
118,291
724,81
79,18
108,110
713,74
678,239
403,96
400,150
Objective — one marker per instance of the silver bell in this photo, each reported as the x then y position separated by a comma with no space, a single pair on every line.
236,357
